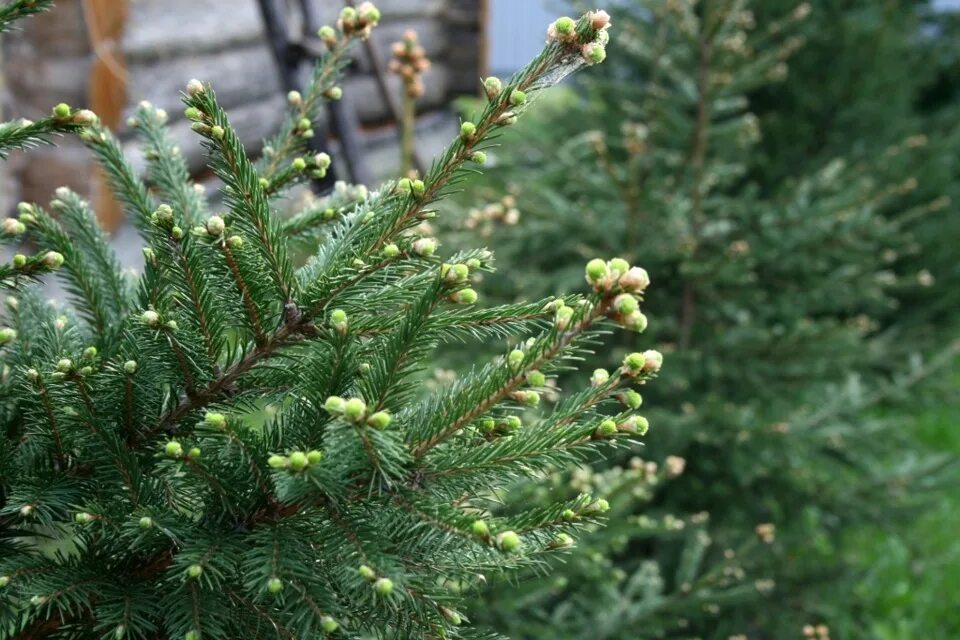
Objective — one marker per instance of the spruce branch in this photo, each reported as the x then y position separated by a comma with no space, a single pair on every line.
258,515
19,9
245,189
166,167
25,134
297,128
126,185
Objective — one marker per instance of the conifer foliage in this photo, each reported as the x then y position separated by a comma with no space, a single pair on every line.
770,303
235,445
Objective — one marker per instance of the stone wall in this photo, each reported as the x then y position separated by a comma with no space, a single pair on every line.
166,42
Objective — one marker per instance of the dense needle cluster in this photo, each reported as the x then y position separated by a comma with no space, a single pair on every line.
233,444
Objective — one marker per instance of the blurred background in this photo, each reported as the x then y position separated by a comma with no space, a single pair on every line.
789,174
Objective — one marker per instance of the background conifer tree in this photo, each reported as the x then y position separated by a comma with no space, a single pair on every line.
772,302
234,445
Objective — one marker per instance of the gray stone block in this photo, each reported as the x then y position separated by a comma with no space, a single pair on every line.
238,74
164,28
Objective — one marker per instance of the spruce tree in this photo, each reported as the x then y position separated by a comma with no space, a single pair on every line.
234,445
770,303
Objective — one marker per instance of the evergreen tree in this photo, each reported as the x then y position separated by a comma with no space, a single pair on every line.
770,302
234,446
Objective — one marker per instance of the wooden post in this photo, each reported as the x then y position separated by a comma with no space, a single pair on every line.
106,88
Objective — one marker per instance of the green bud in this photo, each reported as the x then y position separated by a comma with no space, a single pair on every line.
515,359
492,87
530,398
367,573
642,425
654,360
618,266
632,399
368,13
513,423
191,635
314,456
215,225
274,585
298,164
146,522
150,318
217,132
379,420
626,304
62,110
338,319
478,157
569,515
480,528
354,409
38,601
636,321
322,160
192,113
173,449
215,420
517,97
328,624
194,571
467,129
418,187
562,541
130,366
383,586
64,365
4,581
508,541
451,616
298,461
536,379
264,183
83,518
563,317
86,371
334,93
465,296
488,425
335,404
634,362
564,26
425,247
194,453
53,259
596,271
277,462
294,98
171,325
7,335
19,261
607,428
89,353
391,251
326,32
594,53
235,242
